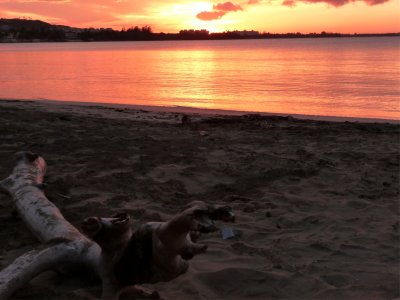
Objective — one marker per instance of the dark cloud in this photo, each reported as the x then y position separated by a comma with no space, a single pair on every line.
336,3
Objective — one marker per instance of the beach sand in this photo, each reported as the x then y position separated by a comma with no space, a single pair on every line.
316,203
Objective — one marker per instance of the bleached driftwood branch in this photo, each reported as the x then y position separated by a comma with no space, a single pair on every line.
62,243
157,251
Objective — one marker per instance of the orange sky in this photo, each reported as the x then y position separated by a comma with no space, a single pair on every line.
346,16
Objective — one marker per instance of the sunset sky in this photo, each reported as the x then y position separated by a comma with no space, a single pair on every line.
346,16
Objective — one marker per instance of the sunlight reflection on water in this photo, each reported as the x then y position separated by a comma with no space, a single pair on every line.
356,77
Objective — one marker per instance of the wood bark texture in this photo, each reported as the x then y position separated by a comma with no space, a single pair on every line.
121,258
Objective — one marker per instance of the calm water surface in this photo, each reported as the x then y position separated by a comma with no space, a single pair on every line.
357,77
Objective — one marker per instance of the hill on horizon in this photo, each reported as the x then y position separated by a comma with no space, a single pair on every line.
25,23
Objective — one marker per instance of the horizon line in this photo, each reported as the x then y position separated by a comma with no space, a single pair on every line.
127,27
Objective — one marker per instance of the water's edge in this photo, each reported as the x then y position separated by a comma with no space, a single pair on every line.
204,111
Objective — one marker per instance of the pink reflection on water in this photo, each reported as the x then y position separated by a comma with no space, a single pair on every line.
356,77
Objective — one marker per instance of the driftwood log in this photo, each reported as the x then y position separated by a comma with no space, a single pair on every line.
121,258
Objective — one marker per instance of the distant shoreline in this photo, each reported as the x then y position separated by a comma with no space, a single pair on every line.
277,37
57,105
22,30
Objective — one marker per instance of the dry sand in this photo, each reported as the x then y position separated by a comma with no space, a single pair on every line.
316,203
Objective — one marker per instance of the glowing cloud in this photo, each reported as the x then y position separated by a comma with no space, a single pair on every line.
79,13
336,3
227,6
219,10
210,15
46,1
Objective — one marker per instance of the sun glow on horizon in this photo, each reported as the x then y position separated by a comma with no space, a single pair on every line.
305,17
186,12
281,16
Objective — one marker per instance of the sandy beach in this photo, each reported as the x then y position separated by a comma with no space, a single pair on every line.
316,202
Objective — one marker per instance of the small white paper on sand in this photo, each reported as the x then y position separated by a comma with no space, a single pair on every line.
227,233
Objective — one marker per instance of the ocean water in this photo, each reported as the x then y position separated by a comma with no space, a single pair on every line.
353,77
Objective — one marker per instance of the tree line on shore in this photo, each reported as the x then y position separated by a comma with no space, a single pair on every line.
23,30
